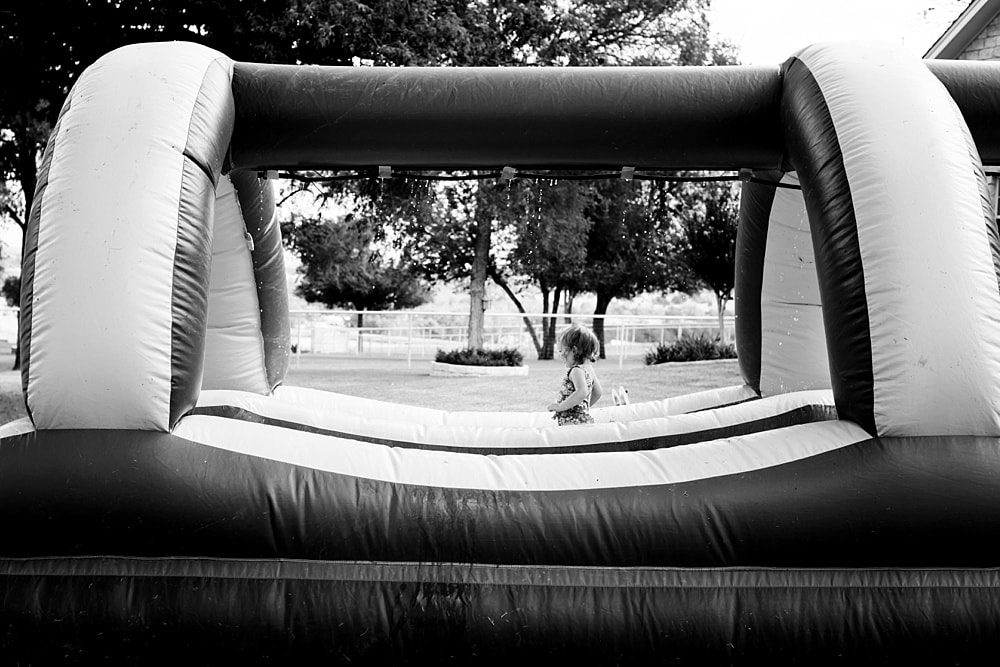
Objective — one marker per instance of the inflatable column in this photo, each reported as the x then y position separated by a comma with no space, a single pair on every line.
906,250
115,277
248,329
779,318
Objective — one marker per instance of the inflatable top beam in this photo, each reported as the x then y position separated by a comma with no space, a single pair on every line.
296,117
153,269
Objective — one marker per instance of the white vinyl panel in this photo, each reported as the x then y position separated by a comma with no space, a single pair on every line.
367,422
529,472
933,302
101,322
793,341
234,350
334,402
674,405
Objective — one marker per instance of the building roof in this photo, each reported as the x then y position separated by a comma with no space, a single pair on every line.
969,25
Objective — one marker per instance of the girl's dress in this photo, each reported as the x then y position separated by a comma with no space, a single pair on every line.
580,413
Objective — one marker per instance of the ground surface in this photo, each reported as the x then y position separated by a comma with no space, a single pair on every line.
396,380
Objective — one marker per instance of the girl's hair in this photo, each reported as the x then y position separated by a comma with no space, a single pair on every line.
581,341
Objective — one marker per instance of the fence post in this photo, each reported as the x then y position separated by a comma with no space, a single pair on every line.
621,345
298,341
409,340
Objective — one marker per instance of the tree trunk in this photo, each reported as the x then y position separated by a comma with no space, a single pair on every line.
477,284
546,350
361,323
549,326
568,308
498,279
600,310
720,302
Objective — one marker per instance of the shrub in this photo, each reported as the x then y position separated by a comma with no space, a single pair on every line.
507,356
691,348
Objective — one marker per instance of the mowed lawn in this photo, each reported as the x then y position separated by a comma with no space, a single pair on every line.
396,380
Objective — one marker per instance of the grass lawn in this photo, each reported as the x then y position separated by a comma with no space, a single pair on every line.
391,379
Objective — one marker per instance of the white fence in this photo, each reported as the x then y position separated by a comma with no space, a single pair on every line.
418,334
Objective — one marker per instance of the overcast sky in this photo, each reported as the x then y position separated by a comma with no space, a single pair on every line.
768,31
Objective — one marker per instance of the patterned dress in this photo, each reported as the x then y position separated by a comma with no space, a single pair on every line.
580,413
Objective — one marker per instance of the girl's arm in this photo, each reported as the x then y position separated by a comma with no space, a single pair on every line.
579,381
597,391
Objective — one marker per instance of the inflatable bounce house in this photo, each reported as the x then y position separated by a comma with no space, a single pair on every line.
170,498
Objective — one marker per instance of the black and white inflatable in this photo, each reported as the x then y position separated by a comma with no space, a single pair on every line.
170,498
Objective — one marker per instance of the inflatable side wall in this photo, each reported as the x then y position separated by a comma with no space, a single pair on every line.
116,295
248,329
779,316
132,296
905,251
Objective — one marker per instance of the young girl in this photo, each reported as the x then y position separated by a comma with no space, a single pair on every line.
578,347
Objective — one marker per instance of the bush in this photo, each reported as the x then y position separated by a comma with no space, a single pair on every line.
691,348
507,356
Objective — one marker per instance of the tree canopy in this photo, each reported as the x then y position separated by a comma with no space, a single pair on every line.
341,268
707,242
455,234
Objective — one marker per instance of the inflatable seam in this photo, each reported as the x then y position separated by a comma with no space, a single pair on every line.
212,173
805,414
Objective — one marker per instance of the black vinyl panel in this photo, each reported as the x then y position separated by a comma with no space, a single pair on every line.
906,502
189,292
814,152
87,611
756,200
682,117
256,197
805,414
27,300
975,87
209,134
299,117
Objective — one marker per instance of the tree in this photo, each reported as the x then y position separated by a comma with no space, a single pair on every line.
707,243
449,235
628,248
438,32
50,47
551,247
628,242
585,32
342,268
11,290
